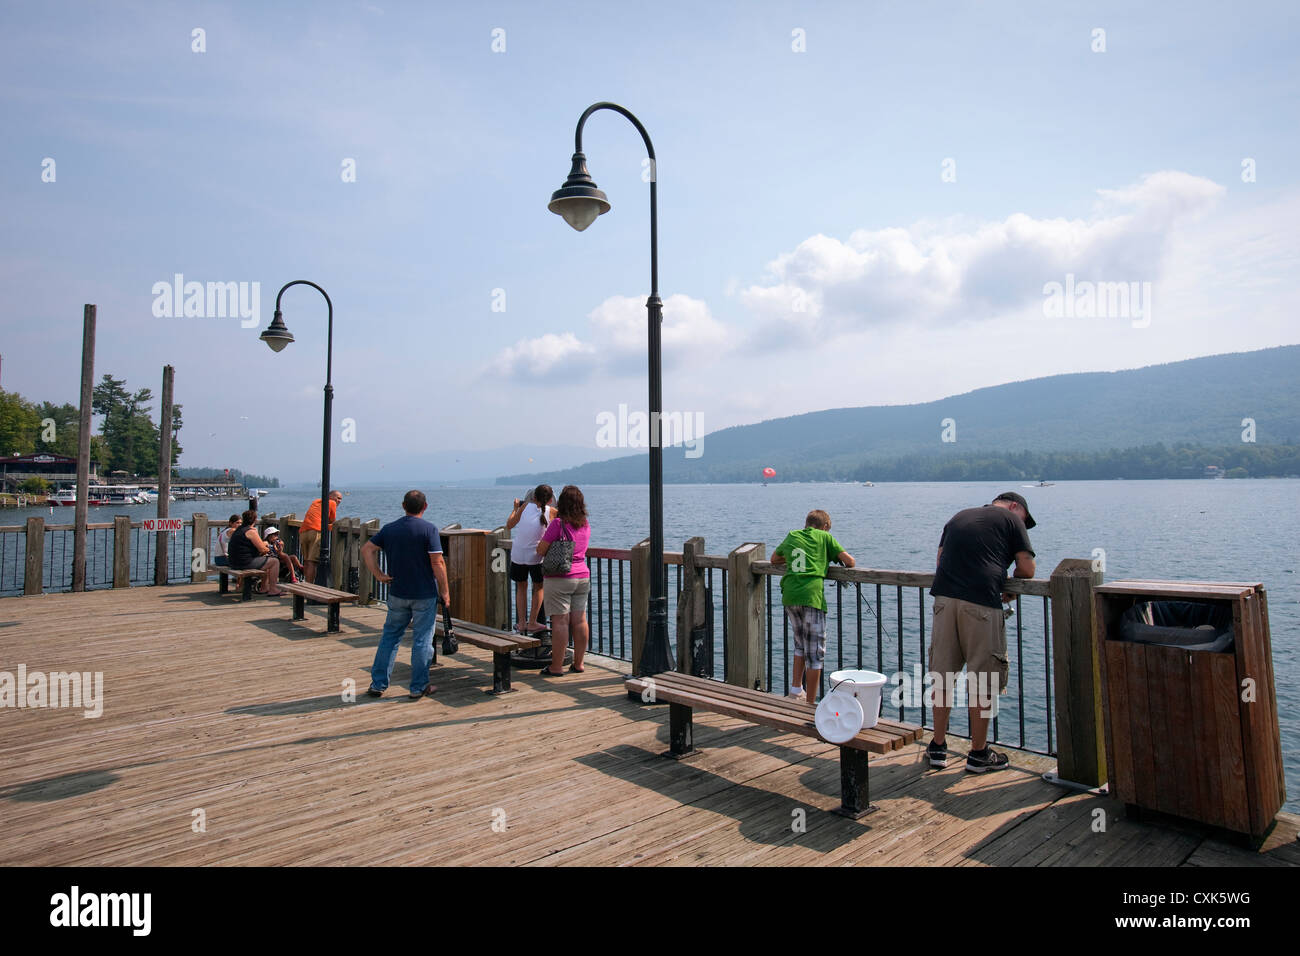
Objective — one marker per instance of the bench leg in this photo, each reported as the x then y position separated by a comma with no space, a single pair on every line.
332,617
223,583
681,734
500,674
299,608
248,587
855,800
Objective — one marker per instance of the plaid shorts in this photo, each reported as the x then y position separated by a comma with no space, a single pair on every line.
808,625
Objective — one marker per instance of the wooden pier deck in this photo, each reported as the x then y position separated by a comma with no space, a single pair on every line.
229,714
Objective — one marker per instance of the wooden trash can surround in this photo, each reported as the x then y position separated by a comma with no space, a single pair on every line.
1193,733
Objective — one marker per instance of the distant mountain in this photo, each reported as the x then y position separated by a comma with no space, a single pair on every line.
1201,401
464,466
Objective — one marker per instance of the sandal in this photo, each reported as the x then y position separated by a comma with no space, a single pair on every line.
547,672
577,670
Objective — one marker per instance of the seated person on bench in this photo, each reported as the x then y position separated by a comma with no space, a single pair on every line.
290,566
248,550
221,559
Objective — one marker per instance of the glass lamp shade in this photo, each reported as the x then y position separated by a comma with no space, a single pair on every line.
277,336
579,211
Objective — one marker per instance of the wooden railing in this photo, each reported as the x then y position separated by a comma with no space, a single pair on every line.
738,623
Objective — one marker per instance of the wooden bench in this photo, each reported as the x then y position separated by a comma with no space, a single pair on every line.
684,693
303,592
245,577
500,643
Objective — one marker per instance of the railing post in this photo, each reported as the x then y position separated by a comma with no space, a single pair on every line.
367,580
467,565
498,579
200,539
1080,733
122,551
352,548
745,606
690,605
640,608
34,564
337,554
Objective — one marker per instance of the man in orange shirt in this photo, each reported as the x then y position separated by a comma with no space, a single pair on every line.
309,535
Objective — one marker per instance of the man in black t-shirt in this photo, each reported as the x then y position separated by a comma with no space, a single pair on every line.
969,627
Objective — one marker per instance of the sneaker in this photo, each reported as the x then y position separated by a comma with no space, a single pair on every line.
373,691
796,695
982,761
937,754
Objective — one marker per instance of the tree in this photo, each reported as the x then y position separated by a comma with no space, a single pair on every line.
35,485
67,426
19,421
177,424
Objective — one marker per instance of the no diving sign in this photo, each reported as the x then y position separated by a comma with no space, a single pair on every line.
162,524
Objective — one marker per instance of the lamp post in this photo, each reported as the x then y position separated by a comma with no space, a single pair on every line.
579,202
277,336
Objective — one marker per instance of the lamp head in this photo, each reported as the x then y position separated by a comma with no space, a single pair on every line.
277,335
578,200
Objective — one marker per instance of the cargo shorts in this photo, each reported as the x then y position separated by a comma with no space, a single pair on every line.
808,628
973,635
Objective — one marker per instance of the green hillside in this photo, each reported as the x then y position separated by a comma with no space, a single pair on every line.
1034,423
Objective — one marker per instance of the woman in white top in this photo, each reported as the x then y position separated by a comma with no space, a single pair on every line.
221,559
526,523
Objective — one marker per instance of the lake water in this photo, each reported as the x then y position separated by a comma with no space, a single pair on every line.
1183,530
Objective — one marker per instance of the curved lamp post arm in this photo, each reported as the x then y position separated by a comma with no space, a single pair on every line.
329,339
654,178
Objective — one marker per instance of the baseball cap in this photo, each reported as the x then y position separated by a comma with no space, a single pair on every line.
1020,500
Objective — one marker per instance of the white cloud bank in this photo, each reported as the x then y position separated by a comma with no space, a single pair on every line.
947,272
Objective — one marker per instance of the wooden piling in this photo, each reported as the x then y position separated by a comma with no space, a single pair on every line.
122,551
691,611
200,541
366,580
1080,733
80,514
498,579
745,607
640,582
34,563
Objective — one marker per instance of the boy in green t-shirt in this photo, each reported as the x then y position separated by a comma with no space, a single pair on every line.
809,553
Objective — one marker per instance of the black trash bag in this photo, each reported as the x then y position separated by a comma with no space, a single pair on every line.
1191,625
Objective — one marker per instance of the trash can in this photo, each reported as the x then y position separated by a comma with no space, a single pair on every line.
1189,701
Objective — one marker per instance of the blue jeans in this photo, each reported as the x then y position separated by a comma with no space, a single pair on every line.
422,614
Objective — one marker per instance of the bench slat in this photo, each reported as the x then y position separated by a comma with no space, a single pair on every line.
886,732
767,710
755,715
488,638
317,593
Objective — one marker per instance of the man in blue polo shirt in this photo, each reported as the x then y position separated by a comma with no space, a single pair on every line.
417,574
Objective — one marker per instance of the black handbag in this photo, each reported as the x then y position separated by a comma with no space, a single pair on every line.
450,645
558,559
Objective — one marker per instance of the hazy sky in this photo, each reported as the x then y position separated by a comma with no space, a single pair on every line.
860,203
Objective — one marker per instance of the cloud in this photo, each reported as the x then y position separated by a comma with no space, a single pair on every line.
951,271
537,358
618,339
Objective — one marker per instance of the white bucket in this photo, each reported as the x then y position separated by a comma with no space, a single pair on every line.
867,687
